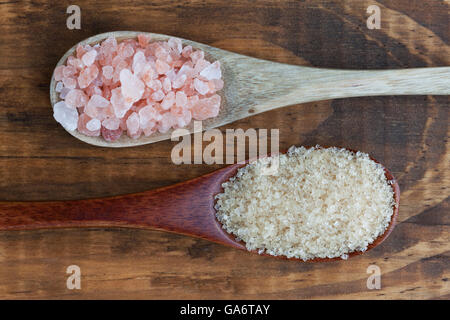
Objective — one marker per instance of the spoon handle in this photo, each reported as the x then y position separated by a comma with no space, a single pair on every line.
185,208
331,84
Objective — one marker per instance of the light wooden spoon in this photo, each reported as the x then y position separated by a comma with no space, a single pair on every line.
253,85
185,208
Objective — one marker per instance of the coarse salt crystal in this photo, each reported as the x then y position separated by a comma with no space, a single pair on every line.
148,114
64,92
69,71
58,73
133,124
175,44
59,86
181,99
166,85
118,103
111,123
87,76
162,67
66,116
132,86
138,62
158,95
212,71
82,126
108,72
69,82
168,100
76,98
206,108
93,125
98,101
179,81
201,87
89,57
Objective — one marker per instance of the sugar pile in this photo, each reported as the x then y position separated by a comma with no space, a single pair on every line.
136,86
322,203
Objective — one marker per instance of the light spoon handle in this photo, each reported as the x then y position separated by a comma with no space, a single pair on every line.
287,84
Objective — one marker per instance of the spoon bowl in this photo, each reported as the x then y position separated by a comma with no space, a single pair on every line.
253,86
185,208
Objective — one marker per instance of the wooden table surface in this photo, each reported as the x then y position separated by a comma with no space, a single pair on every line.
409,134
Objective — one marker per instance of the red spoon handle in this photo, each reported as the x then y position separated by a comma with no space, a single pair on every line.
186,208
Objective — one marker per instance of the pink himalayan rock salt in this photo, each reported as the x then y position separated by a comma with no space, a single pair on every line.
59,86
158,95
143,40
179,81
148,114
95,107
166,85
200,66
83,120
87,76
75,62
118,103
206,108
92,89
192,101
136,86
186,52
108,72
168,101
201,87
162,67
181,99
197,55
64,92
66,116
212,71
133,124
69,71
132,86
167,121
111,123
183,116
175,44
148,74
155,84
111,135
89,57
139,62
58,73
97,101
76,98
93,125
69,83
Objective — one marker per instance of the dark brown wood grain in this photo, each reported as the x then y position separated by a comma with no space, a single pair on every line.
39,161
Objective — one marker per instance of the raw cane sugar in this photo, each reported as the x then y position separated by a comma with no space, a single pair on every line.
321,203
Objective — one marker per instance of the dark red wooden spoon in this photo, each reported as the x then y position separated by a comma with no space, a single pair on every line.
186,208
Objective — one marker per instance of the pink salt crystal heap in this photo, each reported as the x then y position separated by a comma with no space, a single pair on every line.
136,87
